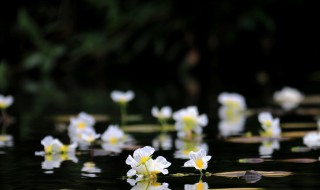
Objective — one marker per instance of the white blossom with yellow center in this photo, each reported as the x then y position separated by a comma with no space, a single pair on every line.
232,101
90,167
199,160
140,156
122,97
113,135
289,98
5,101
312,140
270,125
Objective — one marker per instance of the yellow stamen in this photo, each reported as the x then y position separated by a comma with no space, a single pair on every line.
3,105
144,159
199,186
64,148
48,157
48,149
113,140
89,165
268,123
199,163
81,125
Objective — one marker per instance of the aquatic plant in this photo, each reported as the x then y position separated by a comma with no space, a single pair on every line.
122,98
162,115
198,160
233,101
144,167
270,125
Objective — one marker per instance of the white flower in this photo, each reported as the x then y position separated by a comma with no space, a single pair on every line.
198,186
151,167
270,125
163,141
232,100
189,119
122,97
140,156
289,98
89,136
82,121
51,162
164,113
5,101
232,121
58,146
113,135
312,139
90,167
199,160
48,142
268,147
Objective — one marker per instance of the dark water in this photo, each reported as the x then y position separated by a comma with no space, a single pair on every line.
21,169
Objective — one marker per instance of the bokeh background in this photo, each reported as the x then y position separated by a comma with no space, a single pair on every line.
65,56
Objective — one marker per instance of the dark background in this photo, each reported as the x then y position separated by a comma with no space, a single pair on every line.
66,56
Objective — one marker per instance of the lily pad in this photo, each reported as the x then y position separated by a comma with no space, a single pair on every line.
146,128
299,160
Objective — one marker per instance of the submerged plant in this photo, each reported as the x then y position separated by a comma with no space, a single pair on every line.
198,160
289,98
122,98
144,167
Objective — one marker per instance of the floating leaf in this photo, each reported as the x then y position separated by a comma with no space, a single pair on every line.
133,118
237,174
181,174
146,128
294,134
300,149
254,139
298,125
299,160
251,160
252,176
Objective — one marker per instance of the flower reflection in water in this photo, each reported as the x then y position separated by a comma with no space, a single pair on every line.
232,122
267,147
147,185
162,141
184,147
52,161
6,141
90,169
198,186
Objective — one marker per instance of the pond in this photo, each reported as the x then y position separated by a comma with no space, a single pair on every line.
240,159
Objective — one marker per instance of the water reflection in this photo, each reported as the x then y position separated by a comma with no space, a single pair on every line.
147,185
90,169
267,147
231,123
52,161
185,146
6,141
197,186
162,141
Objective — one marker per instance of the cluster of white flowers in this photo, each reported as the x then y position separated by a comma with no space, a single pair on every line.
289,98
81,129
144,167
188,121
270,125
232,119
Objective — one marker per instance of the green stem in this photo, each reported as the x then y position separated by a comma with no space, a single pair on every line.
123,114
201,174
147,170
163,124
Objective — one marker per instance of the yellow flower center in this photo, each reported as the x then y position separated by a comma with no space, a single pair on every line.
81,125
64,148
89,165
268,123
113,140
122,101
64,156
3,105
232,104
144,159
199,163
48,157
199,186
48,149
